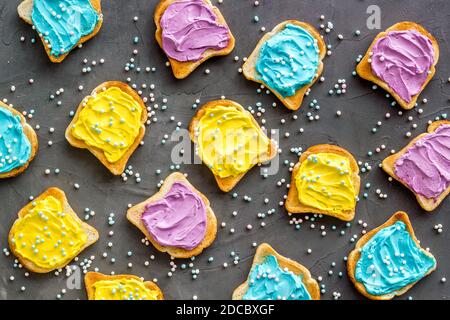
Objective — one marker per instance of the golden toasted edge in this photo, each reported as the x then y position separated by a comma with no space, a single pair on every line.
294,102
92,277
388,166
227,184
354,256
117,167
31,136
183,69
25,9
134,215
364,69
265,250
293,204
90,231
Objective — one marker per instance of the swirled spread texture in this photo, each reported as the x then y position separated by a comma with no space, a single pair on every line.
229,140
268,281
123,289
15,148
47,235
110,121
391,260
178,219
63,23
191,27
403,59
324,181
288,60
425,166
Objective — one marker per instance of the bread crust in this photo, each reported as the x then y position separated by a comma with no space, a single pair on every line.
25,9
355,255
92,277
364,69
249,68
293,204
32,138
388,166
91,232
265,250
134,215
228,183
182,69
117,167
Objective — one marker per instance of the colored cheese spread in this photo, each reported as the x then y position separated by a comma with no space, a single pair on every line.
109,121
123,289
268,281
403,59
15,148
425,166
48,236
178,219
391,260
63,23
288,60
324,181
189,28
229,141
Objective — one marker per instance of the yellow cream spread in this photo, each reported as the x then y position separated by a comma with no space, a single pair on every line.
229,141
110,121
48,236
324,181
123,289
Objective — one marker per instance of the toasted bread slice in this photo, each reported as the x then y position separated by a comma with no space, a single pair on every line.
265,250
293,204
182,69
364,69
32,137
91,232
228,183
25,10
92,277
249,68
355,255
134,215
117,167
388,166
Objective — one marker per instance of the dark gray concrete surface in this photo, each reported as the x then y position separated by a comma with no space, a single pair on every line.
361,108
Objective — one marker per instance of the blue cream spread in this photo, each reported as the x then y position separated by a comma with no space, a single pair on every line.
288,60
63,23
268,281
391,260
15,148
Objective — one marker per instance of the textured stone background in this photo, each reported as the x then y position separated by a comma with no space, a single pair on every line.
361,108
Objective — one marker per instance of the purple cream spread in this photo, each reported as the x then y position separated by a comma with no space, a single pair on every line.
189,28
402,59
425,167
178,219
